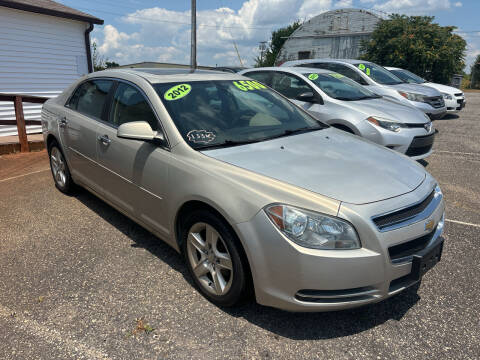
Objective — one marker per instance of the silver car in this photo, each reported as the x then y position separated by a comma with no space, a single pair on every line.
341,102
382,82
254,192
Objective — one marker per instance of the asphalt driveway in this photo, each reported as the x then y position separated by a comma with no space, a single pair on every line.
78,280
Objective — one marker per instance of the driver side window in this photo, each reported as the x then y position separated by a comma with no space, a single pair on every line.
129,104
289,85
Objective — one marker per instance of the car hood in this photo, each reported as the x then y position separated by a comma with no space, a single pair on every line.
391,109
329,162
443,88
416,88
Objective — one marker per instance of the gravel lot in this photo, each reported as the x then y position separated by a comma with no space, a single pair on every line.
80,281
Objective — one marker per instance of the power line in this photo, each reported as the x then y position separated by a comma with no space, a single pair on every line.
176,22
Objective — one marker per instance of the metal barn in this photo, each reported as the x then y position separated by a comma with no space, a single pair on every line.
333,34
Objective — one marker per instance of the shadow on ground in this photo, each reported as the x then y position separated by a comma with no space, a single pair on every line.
297,326
449,117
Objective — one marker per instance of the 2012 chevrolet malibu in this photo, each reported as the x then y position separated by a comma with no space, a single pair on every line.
252,190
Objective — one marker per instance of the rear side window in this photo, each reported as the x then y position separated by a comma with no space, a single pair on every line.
89,98
262,76
289,85
350,73
129,104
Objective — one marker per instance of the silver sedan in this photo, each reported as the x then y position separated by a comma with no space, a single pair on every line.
341,102
258,196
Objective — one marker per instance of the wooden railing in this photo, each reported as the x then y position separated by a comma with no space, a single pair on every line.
18,100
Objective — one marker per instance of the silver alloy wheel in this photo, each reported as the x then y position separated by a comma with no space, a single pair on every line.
58,166
210,260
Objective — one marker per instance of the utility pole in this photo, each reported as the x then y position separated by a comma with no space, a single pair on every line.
262,46
193,50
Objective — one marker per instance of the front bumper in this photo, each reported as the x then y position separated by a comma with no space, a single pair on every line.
295,278
405,141
456,104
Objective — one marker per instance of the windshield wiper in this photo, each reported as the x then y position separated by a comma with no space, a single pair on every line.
289,132
227,143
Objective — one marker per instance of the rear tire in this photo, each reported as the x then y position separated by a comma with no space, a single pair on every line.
60,171
216,265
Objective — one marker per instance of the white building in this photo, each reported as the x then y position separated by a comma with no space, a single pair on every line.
44,47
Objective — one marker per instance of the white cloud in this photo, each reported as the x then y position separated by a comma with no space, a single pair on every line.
458,4
343,4
165,34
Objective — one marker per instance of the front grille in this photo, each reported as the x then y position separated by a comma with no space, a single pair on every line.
420,145
460,101
458,94
409,248
402,215
411,125
435,101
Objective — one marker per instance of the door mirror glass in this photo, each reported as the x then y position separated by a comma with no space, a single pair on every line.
307,97
137,130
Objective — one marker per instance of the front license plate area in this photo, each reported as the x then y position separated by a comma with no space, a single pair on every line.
423,262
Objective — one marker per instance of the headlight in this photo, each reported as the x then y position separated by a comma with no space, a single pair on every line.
412,96
386,123
313,230
447,96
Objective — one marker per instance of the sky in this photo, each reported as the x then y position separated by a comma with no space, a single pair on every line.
159,30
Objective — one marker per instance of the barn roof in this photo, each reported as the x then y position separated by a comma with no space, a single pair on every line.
49,7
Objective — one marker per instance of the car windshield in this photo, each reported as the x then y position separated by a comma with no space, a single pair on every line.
409,77
379,74
340,87
224,113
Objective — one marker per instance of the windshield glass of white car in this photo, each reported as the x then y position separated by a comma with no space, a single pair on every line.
227,113
379,74
409,77
340,87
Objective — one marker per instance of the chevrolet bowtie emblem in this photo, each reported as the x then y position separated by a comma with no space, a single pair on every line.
429,224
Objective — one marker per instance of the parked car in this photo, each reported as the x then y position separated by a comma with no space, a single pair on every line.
341,102
453,97
382,82
255,192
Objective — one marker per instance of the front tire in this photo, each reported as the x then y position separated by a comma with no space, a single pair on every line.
214,261
60,171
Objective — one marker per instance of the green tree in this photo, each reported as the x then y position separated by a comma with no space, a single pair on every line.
278,39
417,44
111,64
475,74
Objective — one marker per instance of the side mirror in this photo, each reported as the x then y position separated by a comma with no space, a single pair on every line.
137,130
309,97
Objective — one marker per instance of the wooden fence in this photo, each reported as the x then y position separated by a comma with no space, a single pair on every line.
18,100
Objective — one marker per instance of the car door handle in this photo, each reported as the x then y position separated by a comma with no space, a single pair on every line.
104,139
63,122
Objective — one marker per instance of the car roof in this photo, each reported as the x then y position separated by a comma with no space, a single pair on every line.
307,61
158,75
292,69
392,68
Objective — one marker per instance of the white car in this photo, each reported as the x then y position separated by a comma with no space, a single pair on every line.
382,82
453,97
342,103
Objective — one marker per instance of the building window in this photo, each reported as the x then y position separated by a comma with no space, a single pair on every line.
303,55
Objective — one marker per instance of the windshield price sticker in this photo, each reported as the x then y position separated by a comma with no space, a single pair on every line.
246,85
364,69
200,136
313,76
336,75
177,92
